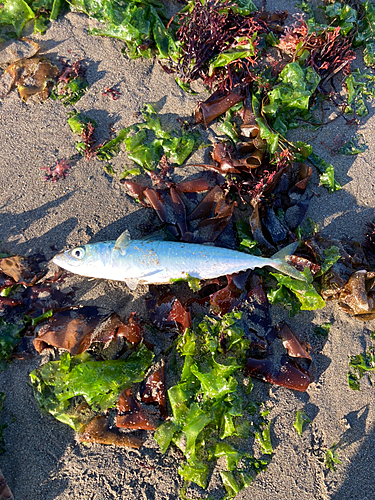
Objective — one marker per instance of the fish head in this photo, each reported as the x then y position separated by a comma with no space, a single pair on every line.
87,260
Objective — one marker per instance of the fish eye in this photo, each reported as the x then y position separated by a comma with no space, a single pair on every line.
78,252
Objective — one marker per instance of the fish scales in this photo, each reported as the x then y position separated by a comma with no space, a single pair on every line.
173,260
150,261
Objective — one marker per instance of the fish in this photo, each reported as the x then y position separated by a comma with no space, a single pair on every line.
149,261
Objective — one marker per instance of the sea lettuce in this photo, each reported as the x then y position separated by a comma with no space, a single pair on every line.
9,338
16,13
360,365
327,177
341,15
138,23
147,142
354,146
98,382
208,407
301,421
19,12
290,97
296,294
360,86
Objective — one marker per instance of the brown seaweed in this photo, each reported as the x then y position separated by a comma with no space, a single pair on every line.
156,201
169,205
180,315
76,329
99,431
208,230
217,104
179,210
205,207
136,191
193,186
288,375
131,332
228,298
166,311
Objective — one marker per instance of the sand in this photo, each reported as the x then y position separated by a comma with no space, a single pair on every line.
43,460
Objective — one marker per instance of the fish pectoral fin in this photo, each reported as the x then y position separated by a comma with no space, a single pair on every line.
132,283
145,278
122,242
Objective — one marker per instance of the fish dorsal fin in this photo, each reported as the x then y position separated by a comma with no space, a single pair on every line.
132,283
122,242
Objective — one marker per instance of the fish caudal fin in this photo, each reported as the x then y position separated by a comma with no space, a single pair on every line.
279,262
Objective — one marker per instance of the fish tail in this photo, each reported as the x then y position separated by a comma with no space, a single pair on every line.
279,262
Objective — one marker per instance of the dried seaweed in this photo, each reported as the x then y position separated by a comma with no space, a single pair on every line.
33,76
357,297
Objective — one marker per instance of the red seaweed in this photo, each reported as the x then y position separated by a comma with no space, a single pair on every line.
284,362
153,389
131,332
131,415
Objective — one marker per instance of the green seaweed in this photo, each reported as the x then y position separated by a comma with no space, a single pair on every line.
360,365
301,422
9,338
208,406
296,295
98,382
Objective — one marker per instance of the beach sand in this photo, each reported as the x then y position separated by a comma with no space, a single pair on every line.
43,460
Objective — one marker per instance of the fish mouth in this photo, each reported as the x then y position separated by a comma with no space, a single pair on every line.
63,260
59,260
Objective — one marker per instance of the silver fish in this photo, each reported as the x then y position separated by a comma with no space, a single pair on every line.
153,261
